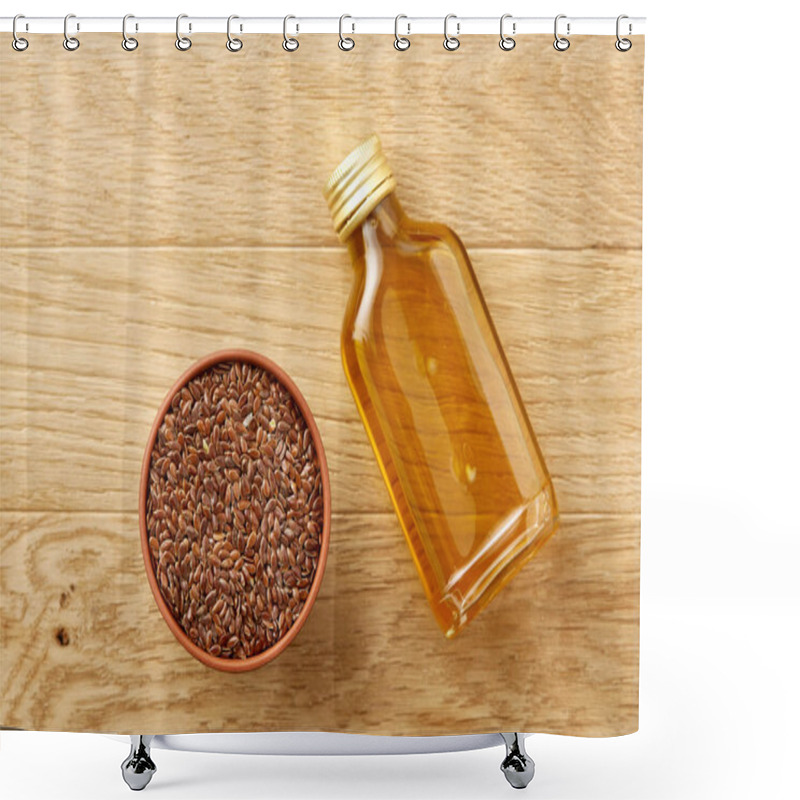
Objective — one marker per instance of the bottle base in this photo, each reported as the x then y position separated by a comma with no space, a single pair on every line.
514,542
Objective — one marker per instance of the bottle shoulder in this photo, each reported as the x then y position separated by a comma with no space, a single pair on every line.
412,242
427,232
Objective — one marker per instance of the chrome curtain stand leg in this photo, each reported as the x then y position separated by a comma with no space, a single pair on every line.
517,766
138,768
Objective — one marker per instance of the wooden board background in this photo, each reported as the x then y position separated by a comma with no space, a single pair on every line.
157,206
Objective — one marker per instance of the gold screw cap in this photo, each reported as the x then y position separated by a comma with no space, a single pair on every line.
357,185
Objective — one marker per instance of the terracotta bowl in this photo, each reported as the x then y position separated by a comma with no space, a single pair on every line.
237,664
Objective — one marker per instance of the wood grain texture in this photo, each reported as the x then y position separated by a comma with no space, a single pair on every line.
93,339
369,660
157,206
528,148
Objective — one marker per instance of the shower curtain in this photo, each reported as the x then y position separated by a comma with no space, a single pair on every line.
158,206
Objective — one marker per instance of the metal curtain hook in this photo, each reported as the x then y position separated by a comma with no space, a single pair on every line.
561,44
233,44
128,42
623,45
181,42
70,42
451,42
400,42
289,44
345,42
506,42
18,43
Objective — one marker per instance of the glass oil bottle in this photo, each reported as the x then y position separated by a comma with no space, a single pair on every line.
436,396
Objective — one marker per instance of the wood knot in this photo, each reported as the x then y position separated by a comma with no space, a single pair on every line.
66,596
62,636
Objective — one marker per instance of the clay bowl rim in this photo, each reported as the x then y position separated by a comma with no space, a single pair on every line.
252,662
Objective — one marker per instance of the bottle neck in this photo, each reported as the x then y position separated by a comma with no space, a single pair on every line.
384,221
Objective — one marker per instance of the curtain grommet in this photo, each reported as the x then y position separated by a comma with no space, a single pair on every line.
17,42
346,43
451,43
233,44
401,43
289,44
561,43
128,42
507,42
70,43
183,43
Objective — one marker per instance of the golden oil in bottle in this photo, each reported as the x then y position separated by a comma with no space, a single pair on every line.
436,396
